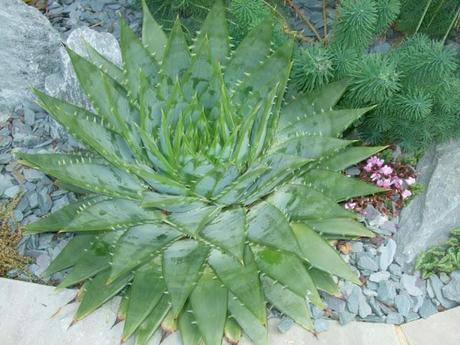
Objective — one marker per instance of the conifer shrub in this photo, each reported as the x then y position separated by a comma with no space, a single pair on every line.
413,85
435,18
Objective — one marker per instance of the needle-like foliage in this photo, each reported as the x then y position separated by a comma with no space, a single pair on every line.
207,194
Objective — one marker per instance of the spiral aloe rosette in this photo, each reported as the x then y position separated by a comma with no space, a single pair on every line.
206,193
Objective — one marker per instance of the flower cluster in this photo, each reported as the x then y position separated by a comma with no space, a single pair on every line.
385,176
397,179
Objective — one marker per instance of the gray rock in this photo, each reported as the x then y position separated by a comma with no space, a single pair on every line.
386,292
417,303
12,191
375,319
427,309
372,285
285,325
452,290
369,292
387,254
444,278
427,220
375,307
368,263
412,317
44,201
335,303
437,286
29,52
353,300
379,276
353,171
6,182
403,303
395,269
321,325
32,175
346,317
67,86
29,116
409,284
364,309
395,319
357,247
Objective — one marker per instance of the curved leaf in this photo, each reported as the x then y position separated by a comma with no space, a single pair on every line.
241,279
301,202
316,102
338,186
111,214
189,332
97,292
71,253
182,263
153,321
321,255
147,289
86,173
287,302
153,37
267,225
340,226
209,304
289,271
139,244
349,156
252,326
228,231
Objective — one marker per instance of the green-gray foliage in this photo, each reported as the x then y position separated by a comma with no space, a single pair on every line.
435,18
443,258
414,84
207,194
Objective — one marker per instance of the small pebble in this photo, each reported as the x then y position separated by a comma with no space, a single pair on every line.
367,263
285,325
346,317
403,303
408,282
321,325
394,319
379,276
427,309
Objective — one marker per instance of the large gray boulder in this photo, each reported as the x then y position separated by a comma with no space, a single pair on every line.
29,51
65,85
427,220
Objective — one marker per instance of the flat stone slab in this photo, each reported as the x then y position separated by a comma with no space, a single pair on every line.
441,328
39,315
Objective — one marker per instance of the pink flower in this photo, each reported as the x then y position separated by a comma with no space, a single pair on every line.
396,181
368,167
410,181
384,183
375,176
374,160
350,205
386,170
406,193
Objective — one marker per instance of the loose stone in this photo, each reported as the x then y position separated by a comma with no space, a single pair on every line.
403,303
379,276
408,282
427,309
394,319
387,254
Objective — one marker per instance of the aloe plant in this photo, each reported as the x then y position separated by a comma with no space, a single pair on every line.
206,193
